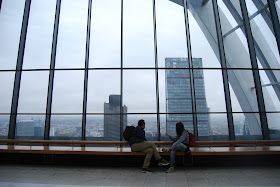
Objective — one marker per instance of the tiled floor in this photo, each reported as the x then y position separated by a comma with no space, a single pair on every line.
62,176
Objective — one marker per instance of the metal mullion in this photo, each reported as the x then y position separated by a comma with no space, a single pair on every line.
14,107
51,75
224,71
121,83
83,135
195,127
156,68
0,5
256,76
275,21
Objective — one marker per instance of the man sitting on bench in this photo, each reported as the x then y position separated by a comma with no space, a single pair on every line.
139,143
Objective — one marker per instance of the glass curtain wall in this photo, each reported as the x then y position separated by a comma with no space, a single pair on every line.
156,60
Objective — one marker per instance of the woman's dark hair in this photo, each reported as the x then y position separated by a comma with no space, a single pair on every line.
141,122
179,128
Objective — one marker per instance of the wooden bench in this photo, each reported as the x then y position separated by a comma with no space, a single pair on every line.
256,147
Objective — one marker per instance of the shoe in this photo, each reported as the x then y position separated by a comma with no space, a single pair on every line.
162,162
165,149
146,170
170,170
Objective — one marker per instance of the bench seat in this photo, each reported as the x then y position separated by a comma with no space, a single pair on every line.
117,150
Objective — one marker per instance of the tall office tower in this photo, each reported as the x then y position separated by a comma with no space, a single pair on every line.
112,117
25,128
178,95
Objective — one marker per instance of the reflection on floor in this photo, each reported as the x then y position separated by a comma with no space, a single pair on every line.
58,176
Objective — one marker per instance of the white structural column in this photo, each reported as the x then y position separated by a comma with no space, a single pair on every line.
241,81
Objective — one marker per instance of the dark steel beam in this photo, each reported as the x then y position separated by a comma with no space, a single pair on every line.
256,76
84,118
121,83
51,75
14,107
224,71
156,70
195,127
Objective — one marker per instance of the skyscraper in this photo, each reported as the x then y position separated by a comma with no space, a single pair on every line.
112,117
178,95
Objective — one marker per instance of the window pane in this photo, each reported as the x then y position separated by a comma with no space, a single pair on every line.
39,35
138,35
66,127
171,31
247,126
242,91
68,92
105,34
102,84
172,119
218,127
209,90
277,4
203,34
263,33
4,126
30,127
235,42
273,125
95,127
33,92
6,93
10,27
150,125
71,42
271,90
139,93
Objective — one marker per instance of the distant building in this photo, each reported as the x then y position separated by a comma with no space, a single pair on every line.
178,95
38,131
246,130
25,128
112,118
